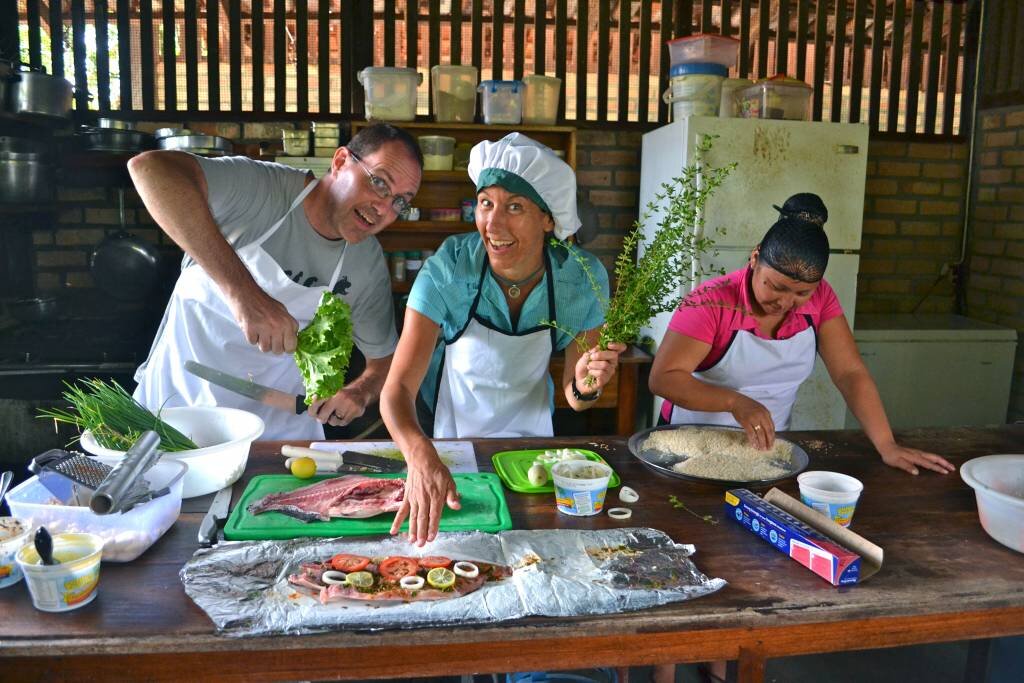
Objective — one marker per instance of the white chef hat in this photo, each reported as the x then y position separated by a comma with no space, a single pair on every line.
528,168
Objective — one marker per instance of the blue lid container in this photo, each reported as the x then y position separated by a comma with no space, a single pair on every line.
707,68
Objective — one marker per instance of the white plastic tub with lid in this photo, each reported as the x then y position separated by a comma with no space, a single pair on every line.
453,89
695,89
502,101
540,99
704,48
390,92
731,87
778,97
126,535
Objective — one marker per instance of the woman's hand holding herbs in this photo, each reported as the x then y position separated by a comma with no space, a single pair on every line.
756,421
595,368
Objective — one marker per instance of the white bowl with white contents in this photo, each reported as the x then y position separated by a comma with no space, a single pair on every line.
126,535
223,436
998,483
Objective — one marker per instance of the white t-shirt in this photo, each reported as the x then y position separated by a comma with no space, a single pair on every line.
246,197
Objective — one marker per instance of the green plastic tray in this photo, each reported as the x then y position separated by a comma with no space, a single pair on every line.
513,466
484,508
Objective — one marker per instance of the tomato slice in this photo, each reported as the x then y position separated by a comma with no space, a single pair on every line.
432,561
397,567
344,562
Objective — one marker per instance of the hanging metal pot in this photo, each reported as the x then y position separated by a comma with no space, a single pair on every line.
33,92
124,266
24,175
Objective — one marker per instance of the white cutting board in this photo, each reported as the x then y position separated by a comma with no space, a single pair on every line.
459,456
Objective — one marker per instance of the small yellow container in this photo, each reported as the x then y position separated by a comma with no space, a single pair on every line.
13,535
70,584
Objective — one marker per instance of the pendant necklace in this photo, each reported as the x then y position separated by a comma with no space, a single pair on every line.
513,285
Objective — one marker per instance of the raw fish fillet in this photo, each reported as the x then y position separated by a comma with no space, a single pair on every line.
352,495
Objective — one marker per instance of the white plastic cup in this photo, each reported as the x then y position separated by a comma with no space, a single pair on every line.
13,534
69,584
832,494
580,486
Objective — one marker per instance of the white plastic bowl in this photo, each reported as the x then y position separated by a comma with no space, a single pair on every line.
998,483
223,436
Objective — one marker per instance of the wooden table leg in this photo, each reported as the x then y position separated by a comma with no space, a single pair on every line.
750,666
625,421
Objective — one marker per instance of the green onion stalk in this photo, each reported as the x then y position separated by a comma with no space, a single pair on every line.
114,418
654,282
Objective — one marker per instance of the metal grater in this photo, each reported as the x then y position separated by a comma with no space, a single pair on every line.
70,476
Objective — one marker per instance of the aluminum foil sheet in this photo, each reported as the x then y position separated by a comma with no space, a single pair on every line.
243,586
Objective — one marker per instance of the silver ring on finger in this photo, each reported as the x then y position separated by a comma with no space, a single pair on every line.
757,428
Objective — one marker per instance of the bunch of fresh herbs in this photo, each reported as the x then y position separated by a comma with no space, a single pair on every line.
650,275
325,347
115,419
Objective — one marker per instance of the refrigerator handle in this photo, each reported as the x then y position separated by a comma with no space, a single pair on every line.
847,149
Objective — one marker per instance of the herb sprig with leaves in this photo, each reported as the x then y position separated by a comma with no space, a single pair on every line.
653,283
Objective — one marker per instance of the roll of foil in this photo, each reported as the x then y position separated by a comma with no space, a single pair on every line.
243,586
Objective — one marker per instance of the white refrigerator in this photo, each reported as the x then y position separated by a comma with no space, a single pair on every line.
775,159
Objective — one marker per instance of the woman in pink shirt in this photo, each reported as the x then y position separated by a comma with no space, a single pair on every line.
740,345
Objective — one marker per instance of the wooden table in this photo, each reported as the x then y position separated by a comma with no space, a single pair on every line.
943,579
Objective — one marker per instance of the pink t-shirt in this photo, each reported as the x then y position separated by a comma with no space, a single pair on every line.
713,312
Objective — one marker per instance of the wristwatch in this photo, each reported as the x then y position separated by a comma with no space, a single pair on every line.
580,396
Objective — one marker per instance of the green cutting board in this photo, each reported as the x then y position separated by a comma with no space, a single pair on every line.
513,468
484,508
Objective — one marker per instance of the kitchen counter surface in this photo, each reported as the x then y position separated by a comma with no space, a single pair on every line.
943,579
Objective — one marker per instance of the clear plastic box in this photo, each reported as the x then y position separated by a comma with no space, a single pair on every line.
453,89
295,142
438,152
775,98
540,99
502,101
127,534
704,48
390,92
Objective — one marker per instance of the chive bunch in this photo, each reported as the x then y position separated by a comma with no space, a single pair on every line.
115,419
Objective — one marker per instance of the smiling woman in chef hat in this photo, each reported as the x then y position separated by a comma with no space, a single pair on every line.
739,347
474,346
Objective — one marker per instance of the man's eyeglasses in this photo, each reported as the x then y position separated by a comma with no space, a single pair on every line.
380,186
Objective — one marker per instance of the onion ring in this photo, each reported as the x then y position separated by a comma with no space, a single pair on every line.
620,513
466,569
411,583
334,577
628,495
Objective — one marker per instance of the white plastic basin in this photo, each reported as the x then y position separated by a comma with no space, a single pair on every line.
223,436
998,483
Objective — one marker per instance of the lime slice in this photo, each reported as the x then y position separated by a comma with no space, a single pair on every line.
440,577
360,580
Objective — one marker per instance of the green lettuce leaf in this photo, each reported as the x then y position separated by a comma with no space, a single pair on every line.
325,347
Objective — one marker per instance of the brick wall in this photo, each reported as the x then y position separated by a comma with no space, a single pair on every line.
995,284
86,215
913,226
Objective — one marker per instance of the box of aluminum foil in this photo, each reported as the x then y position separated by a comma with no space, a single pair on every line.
834,553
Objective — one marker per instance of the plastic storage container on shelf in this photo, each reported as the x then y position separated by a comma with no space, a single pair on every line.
778,97
127,534
453,89
502,101
702,49
390,92
695,89
295,142
728,106
540,99
438,152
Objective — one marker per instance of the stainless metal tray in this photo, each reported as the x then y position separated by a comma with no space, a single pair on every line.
662,462
205,144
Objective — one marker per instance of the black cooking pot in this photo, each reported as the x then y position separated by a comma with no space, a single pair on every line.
34,310
125,267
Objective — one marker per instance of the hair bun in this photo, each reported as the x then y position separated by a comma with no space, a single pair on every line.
805,206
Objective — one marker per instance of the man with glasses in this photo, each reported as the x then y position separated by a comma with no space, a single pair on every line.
262,242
